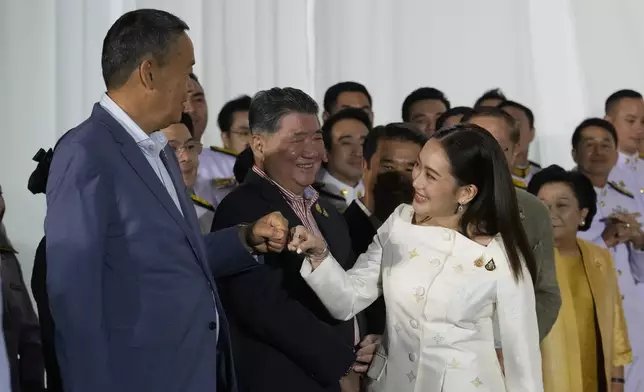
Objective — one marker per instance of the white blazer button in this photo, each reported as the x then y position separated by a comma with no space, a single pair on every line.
420,290
435,262
447,235
413,357
413,323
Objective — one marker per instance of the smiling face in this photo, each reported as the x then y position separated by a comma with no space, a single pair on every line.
345,156
564,210
596,152
291,155
437,193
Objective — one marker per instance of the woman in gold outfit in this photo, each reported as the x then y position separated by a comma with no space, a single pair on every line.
588,346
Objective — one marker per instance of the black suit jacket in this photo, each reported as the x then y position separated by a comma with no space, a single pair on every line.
283,338
20,327
39,289
362,231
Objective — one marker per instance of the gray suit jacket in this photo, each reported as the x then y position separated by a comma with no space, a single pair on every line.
130,280
537,225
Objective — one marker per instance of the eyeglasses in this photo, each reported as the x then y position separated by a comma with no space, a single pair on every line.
190,148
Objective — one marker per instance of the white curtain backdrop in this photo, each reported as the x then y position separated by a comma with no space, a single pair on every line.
560,57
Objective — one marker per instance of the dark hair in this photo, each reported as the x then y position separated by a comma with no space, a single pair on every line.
487,111
618,96
187,121
394,131
133,36
333,93
579,183
456,111
344,114
422,94
476,158
269,106
528,113
225,118
593,122
195,78
243,164
490,94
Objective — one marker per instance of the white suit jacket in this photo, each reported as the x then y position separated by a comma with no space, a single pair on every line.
444,294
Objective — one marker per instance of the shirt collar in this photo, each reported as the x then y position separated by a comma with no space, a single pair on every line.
339,188
151,144
310,194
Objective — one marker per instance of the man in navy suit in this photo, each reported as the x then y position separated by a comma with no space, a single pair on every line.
129,276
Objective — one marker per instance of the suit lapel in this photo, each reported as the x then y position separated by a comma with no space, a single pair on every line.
135,157
272,194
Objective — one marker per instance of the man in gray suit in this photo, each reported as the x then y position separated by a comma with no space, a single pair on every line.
129,275
534,214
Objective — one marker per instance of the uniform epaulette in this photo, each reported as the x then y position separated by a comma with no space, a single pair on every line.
641,156
224,150
521,172
201,202
519,184
8,249
535,164
620,189
221,183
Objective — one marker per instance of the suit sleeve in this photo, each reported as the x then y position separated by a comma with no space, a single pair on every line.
78,202
518,332
237,257
547,295
347,293
256,301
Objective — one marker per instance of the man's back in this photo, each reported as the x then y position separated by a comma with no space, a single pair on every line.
140,314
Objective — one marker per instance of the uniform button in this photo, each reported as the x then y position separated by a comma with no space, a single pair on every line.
435,262
212,325
622,297
413,357
619,273
413,323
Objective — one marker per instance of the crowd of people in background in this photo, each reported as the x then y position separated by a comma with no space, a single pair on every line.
429,254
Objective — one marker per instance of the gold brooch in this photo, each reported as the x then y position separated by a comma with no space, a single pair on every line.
321,210
479,262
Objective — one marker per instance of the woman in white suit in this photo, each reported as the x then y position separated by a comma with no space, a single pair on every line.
455,269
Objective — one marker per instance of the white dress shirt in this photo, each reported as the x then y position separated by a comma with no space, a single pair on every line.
443,294
151,145
338,188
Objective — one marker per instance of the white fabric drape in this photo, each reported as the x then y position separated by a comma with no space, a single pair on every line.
560,57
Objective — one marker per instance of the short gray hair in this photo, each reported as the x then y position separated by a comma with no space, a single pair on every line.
269,106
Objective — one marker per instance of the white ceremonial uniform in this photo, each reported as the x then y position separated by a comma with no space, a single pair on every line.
444,295
629,264
337,192
521,176
629,174
215,178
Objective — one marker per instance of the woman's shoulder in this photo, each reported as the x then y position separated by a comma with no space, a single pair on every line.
595,251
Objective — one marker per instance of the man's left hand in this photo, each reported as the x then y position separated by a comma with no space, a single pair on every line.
364,356
268,234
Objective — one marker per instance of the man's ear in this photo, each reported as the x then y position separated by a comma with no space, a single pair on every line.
225,138
258,144
325,115
146,74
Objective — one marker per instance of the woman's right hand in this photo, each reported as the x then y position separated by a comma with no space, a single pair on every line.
303,241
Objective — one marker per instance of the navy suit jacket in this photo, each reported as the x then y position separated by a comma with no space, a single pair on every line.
130,280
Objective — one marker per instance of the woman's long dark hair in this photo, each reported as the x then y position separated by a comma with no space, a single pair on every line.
476,158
